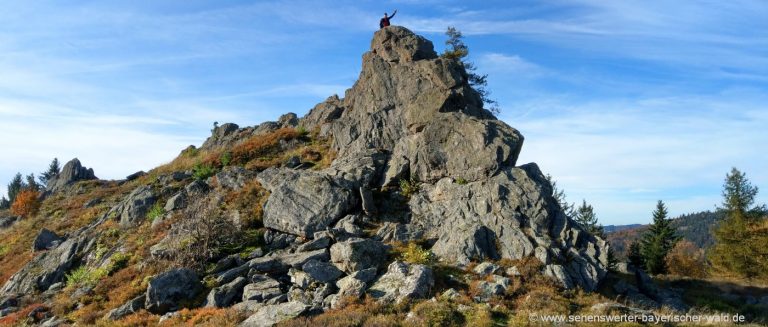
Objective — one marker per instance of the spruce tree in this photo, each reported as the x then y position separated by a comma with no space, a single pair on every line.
741,239
657,241
559,195
14,187
634,255
4,203
586,217
457,50
53,170
32,183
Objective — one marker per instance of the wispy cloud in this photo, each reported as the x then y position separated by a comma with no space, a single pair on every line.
675,149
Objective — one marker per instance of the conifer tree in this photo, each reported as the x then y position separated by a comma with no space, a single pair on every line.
32,183
53,170
559,195
634,255
14,187
657,241
586,217
457,50
741,246
4,203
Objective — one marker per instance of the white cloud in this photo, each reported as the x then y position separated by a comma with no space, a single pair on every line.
618,154
502,63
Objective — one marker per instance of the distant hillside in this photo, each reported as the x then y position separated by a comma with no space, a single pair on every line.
694,227
617,228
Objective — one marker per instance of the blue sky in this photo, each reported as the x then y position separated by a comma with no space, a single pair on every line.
623,102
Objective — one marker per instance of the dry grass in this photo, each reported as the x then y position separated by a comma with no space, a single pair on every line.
213,317
19,318
250,201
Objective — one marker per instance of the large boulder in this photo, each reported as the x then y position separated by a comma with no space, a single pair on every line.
358,254
304,202
46,240
167,291
261,289
403,281
280,263
270,315
73,171
227,294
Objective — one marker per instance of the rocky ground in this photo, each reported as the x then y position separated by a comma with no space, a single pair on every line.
404,190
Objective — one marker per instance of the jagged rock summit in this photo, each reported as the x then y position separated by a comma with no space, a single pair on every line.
417,159
412,116
72,172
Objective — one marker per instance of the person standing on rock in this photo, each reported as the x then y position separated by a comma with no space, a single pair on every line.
384,22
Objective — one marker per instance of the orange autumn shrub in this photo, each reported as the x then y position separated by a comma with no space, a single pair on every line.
26,203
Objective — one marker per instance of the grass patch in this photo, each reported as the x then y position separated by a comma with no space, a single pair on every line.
201,171
156,211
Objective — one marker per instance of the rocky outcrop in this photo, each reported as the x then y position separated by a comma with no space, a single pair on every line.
134,208
403,281
72,172
48,267
167,291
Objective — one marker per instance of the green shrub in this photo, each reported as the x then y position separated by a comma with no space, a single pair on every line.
3,249
84,277
414,253
302,131
156,211
408,187
461,181
226,158
203,171
118,261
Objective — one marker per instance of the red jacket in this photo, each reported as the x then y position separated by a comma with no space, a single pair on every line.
384,22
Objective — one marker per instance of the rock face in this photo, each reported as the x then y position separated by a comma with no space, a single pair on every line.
304,203
167,290
72,172
47,268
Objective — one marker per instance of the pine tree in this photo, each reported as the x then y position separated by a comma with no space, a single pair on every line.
14,187
559,195
657,241
586,217
53,170
32,183
634,255
457,50
4,203
741,238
